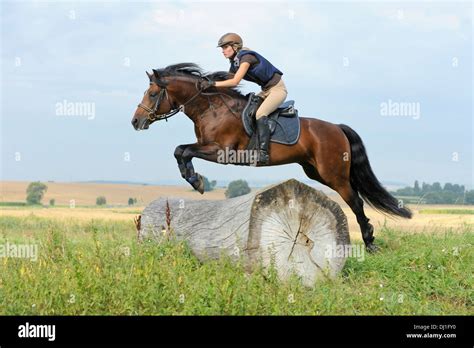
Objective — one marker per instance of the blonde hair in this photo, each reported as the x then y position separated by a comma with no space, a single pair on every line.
238,47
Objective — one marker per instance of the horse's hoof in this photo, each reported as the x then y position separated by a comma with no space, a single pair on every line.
199,184
372,248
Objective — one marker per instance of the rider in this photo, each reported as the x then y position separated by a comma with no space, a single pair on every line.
251,66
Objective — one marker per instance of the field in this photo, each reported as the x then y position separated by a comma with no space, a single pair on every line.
97,267
84,196
89,262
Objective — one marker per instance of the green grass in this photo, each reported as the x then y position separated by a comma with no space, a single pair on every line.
448,211
13,204
85,268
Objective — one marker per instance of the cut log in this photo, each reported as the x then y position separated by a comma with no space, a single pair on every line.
290,225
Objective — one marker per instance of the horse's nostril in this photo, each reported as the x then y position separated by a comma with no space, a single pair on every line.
134,121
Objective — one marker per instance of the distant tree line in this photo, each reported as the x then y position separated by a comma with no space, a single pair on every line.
437,194
36,190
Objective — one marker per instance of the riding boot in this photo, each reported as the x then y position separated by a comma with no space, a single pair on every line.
263,140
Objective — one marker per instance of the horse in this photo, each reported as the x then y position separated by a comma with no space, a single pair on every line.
332,154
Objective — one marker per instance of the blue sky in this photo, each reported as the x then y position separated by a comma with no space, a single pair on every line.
341,62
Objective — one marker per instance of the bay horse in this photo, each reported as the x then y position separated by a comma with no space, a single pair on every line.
332,154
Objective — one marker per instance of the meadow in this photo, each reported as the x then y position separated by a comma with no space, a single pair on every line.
89,261
97,267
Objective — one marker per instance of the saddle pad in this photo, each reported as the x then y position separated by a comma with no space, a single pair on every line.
285,130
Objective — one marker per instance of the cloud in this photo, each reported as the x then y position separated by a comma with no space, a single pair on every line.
204,22
422,18
189,31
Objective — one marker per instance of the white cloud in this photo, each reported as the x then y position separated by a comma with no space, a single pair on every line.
425,18
205,22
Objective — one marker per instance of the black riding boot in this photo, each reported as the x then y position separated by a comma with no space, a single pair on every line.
263,140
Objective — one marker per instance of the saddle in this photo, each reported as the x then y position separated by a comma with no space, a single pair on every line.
283,123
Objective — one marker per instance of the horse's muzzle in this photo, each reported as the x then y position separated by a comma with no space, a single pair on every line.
140,123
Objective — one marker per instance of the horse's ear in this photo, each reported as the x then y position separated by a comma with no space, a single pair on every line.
157,79
149,75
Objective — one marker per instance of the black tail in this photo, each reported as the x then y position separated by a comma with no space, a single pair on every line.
363,179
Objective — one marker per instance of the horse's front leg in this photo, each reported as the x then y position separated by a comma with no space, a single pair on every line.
186,153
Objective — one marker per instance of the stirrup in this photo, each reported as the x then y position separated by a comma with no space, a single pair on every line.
263,157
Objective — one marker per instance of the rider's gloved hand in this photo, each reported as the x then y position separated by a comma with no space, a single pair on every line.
206,84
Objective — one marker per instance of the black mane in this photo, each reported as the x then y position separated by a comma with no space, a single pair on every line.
195,71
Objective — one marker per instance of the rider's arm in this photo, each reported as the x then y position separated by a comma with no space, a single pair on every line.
244,66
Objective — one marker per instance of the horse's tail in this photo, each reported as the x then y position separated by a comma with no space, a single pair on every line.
363,179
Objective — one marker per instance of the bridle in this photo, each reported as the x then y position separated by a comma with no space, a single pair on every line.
152,112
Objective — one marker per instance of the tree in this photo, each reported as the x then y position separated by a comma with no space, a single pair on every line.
35,192
469,199
459,189
237,188
443,198
52,202
101,200
448,187
209,185
416,188
437,194
425,188
406,191
132,201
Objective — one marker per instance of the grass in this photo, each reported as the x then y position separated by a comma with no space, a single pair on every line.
13,204
448,211
97,267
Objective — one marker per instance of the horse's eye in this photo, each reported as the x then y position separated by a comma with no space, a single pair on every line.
153,95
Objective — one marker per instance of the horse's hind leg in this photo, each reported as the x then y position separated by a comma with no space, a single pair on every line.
352,198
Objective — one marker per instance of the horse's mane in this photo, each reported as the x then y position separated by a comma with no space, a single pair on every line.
195,71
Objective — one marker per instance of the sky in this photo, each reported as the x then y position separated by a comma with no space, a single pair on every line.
345,62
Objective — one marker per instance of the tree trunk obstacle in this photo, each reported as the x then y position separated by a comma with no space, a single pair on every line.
291,225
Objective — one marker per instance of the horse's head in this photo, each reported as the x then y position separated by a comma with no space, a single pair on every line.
155,105
178,86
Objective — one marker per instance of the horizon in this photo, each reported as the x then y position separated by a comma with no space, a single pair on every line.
224,182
